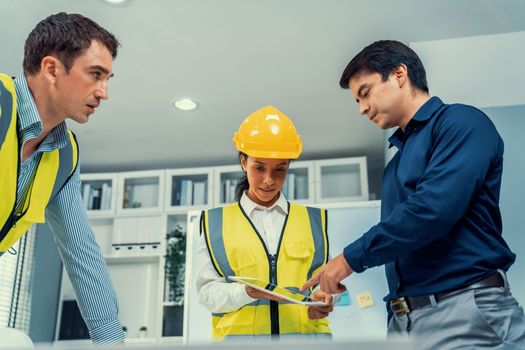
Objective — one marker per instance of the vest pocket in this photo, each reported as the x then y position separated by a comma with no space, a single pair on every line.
247,269
238,322
297,259
298,250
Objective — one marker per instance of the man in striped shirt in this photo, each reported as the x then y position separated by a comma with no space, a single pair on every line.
67,64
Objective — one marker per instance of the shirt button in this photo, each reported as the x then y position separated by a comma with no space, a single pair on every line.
365,267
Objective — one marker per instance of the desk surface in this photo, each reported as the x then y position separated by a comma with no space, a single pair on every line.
390,344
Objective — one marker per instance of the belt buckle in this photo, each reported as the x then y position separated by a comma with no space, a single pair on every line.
399,306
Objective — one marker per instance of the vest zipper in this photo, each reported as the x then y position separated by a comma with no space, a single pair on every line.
272,259
274,305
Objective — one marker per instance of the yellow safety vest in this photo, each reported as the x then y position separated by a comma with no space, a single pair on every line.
52,173
237,249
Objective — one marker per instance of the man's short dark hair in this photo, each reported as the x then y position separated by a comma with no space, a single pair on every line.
383,57
65,36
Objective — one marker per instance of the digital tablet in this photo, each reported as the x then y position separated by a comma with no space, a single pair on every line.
293,297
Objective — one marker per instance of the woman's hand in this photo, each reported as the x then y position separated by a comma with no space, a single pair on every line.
317,312
257,294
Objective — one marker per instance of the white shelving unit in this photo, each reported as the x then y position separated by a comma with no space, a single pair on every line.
147,207
140,192
226,178
341,180
188,188
299,185
99,194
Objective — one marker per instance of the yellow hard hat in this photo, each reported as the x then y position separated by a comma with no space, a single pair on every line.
268,133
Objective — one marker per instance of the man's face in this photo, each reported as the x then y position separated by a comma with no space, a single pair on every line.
380,101
80,91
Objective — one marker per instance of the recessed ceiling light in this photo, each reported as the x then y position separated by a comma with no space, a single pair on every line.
185,104
115,2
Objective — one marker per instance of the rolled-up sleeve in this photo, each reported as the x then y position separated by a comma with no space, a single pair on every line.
84,263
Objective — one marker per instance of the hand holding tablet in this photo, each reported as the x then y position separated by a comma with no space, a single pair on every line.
280,292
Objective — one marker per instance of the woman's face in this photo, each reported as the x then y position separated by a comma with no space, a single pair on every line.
266,178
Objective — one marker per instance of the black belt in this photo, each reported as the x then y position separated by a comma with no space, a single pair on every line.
404,305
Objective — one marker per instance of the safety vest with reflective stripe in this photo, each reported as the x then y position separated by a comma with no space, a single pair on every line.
52,173
237,249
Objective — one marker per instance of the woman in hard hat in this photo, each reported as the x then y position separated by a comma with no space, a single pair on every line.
262,236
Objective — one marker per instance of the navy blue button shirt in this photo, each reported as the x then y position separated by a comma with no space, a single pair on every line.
440,225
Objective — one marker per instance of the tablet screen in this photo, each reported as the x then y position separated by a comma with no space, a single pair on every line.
276,290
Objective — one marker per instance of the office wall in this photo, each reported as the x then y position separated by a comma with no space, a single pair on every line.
484,71
510,122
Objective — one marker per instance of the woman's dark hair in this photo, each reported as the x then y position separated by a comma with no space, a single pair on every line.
65,36
242,184
383,57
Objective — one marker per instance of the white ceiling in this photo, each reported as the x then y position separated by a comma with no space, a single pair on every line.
234,56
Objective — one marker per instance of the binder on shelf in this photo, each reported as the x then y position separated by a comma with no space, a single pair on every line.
85,195
96,199
301,187
106,197
109,197
186,191
233,184
199,189
291,186
226,190
175,192
284,189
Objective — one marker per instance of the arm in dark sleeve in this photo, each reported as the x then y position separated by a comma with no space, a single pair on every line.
465,147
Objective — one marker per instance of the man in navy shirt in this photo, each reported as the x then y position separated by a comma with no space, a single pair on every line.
440,234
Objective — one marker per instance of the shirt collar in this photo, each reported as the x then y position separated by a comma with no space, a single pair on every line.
249,206
26,106
424,113
29,121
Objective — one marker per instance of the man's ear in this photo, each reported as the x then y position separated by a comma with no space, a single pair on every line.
400,73
49,67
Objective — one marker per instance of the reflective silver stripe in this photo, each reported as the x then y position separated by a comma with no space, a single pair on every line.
255,303
263,301
217,242
65,167
296,290
319,239
6,111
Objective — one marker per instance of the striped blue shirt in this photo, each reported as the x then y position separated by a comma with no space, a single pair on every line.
80,253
